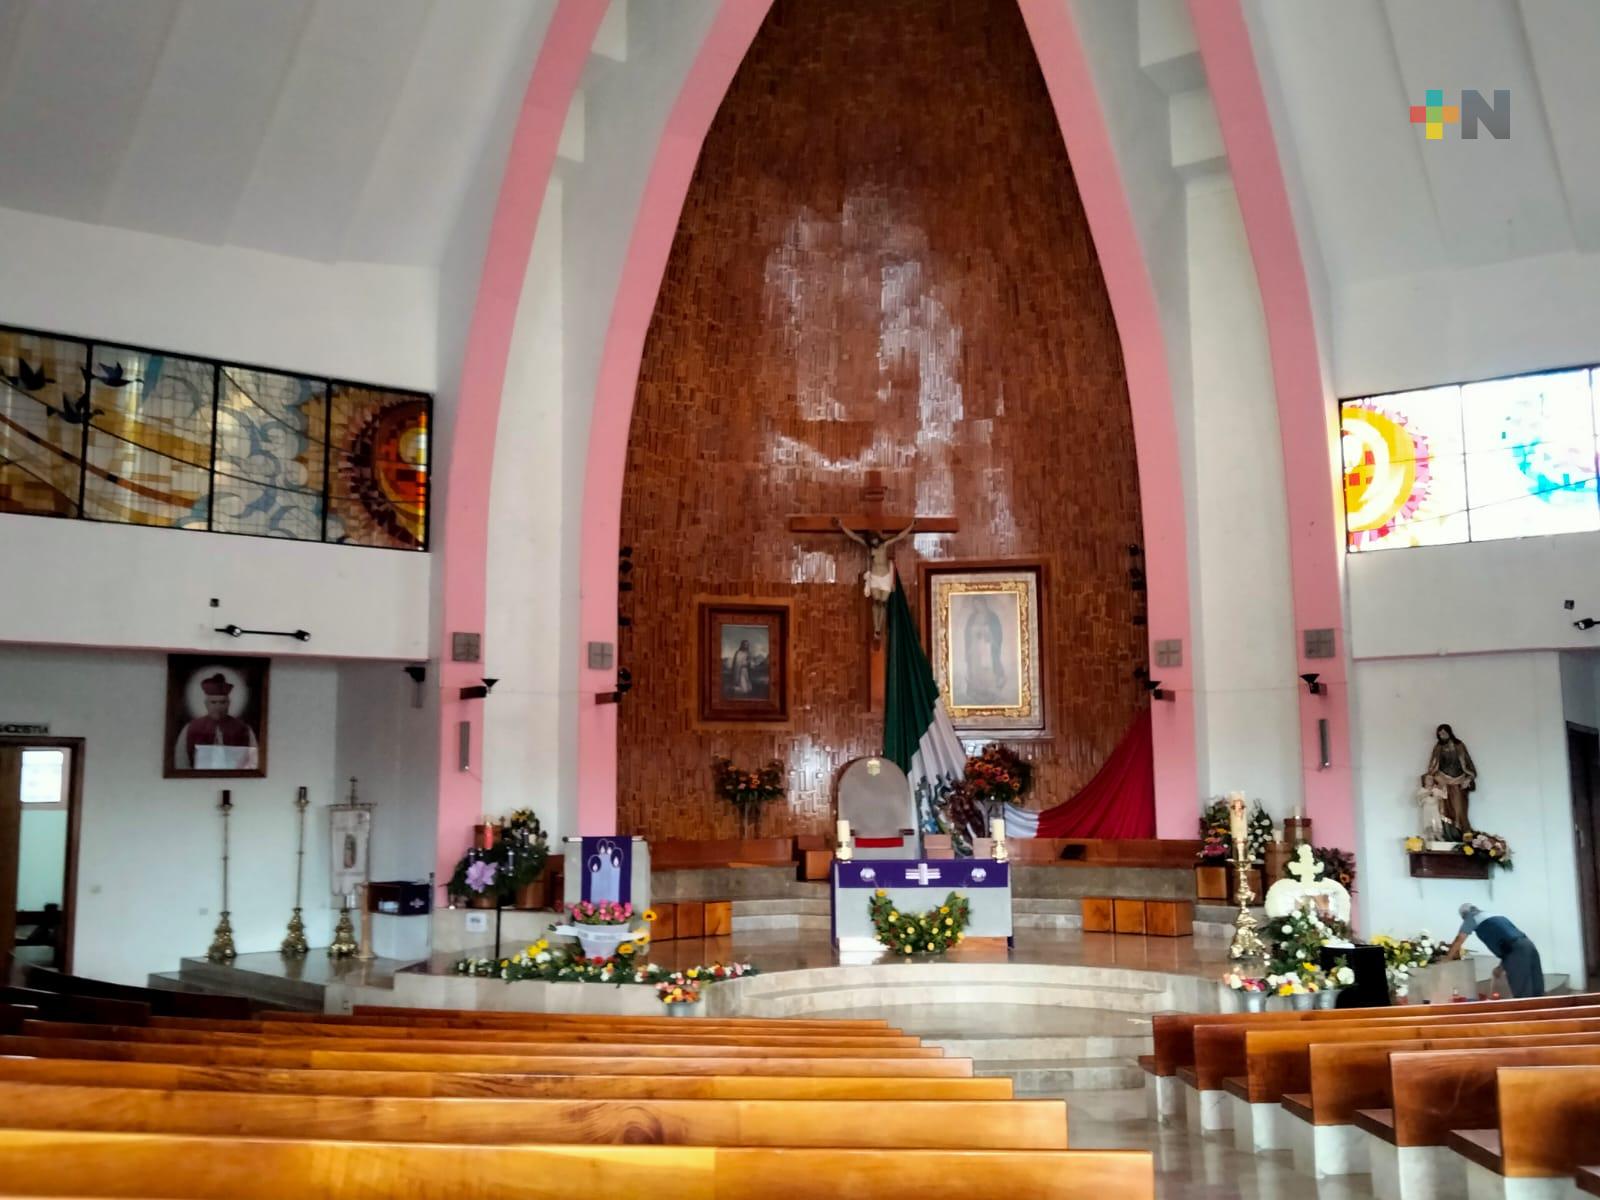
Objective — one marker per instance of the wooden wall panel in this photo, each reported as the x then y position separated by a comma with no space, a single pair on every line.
882,263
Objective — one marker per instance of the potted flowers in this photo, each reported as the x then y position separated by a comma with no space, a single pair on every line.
748,790
1251,990
601,928
681,992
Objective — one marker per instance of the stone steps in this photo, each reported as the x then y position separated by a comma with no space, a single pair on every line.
799,1002
1009,1052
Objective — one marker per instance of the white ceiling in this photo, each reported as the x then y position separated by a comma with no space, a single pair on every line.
1385,201
322,129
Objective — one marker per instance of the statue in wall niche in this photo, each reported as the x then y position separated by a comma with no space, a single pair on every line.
1431,799
1450,767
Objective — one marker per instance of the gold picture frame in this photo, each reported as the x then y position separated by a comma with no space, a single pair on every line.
982,622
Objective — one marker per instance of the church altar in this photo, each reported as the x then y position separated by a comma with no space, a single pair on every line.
916,886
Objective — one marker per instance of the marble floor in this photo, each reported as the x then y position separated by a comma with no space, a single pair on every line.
1191,1167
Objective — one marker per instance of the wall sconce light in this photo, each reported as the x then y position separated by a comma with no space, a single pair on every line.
1157,692
478,693
234,631
419,675
1312,686
1586,624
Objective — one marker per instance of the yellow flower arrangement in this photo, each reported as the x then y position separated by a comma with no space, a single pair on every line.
649,915
625,949
931,932
1413,845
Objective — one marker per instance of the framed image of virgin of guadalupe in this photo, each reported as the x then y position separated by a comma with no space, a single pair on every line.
981,621
216,717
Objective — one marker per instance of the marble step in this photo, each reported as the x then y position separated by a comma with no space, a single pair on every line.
202,975
797,1002
992,1050
782,921
804,905
1056,1077
943,973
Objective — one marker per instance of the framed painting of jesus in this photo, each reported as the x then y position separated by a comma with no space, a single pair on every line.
981,621
742,660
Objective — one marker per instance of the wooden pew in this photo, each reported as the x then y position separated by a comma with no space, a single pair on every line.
170,1004
1346,1078
1548,1116
1222,1052
183,1167
1172,1034
532,1044
1278,1062
59,1006
439,1084
910,1124
1430,1092
631,1063
344,1030
464,1016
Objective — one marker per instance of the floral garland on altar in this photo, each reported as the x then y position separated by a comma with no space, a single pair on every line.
932,932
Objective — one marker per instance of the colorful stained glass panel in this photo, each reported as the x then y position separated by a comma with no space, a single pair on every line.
41,430
1404,477
271,431
150,439
378,493
1530,443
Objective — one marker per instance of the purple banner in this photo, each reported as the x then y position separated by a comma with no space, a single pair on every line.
608,869
942,873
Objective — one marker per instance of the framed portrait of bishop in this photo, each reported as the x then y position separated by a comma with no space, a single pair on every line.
216,717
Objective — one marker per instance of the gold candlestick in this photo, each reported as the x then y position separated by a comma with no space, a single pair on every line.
221,950
295,945
344,937
1247,944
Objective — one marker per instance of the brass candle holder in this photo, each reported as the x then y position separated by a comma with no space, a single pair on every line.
344,937
1247,946
295,944
221,950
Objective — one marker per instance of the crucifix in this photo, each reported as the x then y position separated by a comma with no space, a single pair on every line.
877,530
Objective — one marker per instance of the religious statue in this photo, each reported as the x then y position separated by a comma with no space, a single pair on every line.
1431,798
1327,896
877,582
1450,767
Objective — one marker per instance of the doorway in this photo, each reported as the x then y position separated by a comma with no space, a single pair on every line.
41,793
1583,760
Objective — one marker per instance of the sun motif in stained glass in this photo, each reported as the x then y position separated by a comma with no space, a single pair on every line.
1386,474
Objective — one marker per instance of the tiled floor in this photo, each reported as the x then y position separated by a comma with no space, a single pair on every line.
1189,1167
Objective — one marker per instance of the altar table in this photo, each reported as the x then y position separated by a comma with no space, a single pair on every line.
916,887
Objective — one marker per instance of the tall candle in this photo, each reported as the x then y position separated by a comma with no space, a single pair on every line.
1236,821
842,832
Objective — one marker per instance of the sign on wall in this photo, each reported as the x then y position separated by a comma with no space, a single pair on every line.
24,728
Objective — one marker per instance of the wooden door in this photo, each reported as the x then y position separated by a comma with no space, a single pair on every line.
1583,760
10,841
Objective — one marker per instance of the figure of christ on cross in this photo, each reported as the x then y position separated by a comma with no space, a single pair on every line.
878,531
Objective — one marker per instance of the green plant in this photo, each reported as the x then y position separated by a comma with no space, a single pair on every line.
932,932
1296,940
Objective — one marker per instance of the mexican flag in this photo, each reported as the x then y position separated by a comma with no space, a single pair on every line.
917,734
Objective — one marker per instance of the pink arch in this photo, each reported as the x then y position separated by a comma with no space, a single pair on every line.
1306,419
1144,353
1133,302
465,551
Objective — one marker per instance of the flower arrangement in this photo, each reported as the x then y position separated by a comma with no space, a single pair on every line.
1244,983
1291,983
744,789
997,775
551,964
516,859
1296,941
1217,835
683,987
1338,865
607,912
932,932
1403,956
1477,844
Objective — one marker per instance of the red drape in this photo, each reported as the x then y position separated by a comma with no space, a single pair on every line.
1119,802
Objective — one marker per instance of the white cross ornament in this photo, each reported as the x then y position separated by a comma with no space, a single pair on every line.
924,874
1304,867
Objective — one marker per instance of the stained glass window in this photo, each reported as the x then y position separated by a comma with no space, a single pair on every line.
150,439
1510,457
378,492
41,424
271,448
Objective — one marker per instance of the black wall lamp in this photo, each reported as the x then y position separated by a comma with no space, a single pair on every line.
1312,686
234,631
479,691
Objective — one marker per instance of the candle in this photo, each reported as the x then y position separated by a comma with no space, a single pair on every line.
997,829
843,832
1236,821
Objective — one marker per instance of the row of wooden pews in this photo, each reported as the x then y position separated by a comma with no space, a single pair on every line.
1427,1099
427,1103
